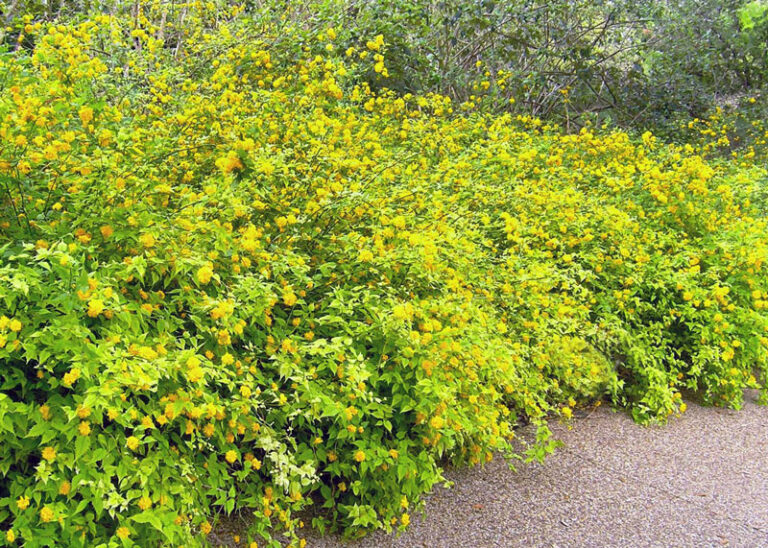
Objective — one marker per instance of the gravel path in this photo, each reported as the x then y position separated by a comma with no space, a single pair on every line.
701,480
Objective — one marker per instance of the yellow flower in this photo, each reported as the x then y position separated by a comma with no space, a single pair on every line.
132,443
205,527
405,519
14,325
204,274
403,311
289,298
227,359
123,532
64,488
195,374
145,503
70,378
229,163
437,422
86,115
49,453
10,536
365,255
84,428
106,231
231,456
46,514
147,240
23,502
95,307
376,43
360,456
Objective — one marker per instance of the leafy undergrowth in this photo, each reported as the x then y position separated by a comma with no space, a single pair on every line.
233,278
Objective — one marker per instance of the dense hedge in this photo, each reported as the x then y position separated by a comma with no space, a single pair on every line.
234,278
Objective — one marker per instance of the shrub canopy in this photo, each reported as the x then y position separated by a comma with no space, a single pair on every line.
235,278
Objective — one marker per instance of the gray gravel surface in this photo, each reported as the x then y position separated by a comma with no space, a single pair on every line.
701,480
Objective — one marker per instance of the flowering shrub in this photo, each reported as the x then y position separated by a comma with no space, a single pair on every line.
233,278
